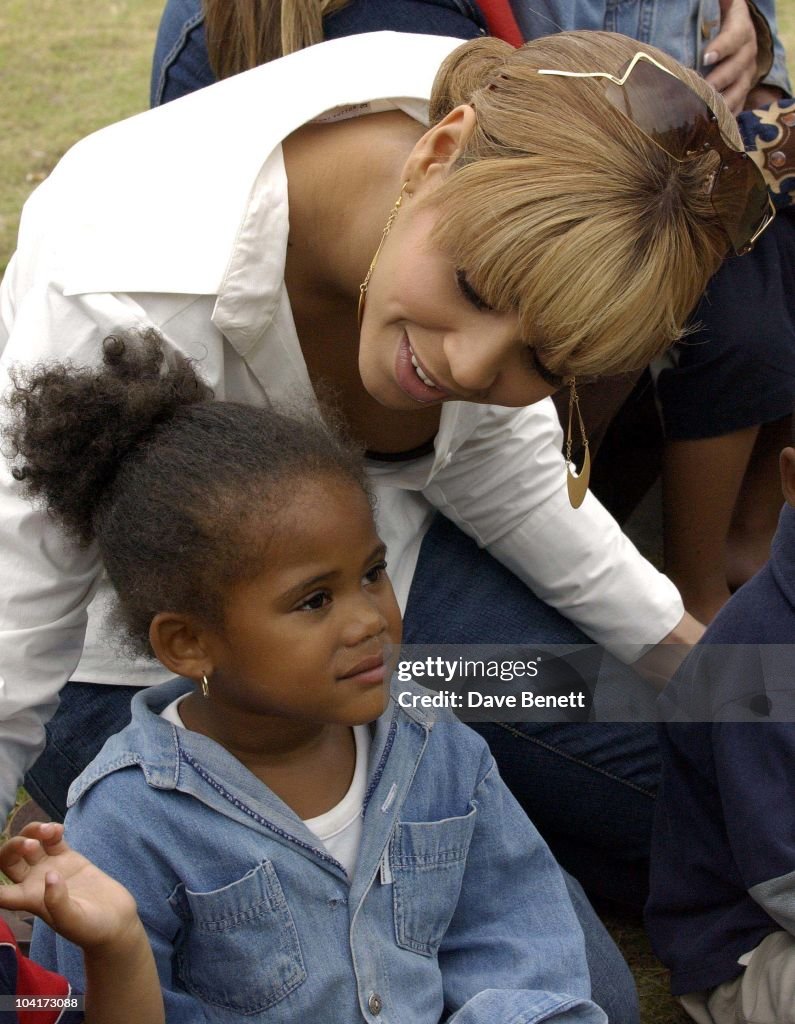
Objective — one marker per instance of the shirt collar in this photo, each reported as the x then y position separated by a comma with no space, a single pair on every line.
154,744
196,181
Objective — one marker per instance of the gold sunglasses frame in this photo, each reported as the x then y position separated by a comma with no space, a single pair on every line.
621,81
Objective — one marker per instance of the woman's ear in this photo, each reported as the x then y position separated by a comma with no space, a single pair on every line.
787,466
181,645
439,148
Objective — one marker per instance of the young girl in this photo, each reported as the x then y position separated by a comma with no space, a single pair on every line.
297,844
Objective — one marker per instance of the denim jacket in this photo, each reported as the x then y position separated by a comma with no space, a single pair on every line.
456,907
180,63
682,28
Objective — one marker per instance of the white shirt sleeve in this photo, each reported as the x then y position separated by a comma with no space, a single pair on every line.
505,485
47,579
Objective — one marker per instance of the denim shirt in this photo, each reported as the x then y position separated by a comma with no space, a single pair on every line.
180,63
456,907
682,28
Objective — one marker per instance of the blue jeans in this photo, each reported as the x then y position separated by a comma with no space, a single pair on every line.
87,715
180,64
588,787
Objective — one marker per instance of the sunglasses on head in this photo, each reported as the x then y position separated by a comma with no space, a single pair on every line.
680,123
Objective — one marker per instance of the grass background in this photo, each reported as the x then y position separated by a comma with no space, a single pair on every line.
68,68
72,66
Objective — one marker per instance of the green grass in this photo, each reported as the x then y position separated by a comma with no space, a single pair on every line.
785,10
68,69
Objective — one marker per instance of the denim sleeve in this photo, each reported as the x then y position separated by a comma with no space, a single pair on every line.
503,483
180,64
99,827
514,950
778,74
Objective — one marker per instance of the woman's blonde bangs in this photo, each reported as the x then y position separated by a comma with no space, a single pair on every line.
594,289
600,241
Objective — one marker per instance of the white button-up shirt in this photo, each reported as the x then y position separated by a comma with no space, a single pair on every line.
178,219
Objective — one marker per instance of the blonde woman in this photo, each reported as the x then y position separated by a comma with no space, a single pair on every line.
499,224
719,458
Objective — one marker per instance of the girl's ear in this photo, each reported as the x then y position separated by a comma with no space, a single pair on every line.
180,644
439,148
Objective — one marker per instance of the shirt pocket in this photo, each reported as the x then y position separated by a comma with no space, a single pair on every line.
427,862
244,930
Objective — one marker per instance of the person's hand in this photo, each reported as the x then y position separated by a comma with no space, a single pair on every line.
732,55
65,889
89,908
659,664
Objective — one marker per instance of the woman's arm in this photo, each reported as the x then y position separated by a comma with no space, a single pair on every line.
42,622
48,580
731,57
660,663
505,485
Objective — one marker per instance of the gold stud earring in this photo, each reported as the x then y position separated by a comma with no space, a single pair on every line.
387,229
205,686
576,483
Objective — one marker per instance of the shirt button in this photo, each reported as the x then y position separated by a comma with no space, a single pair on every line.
778,159
374,1004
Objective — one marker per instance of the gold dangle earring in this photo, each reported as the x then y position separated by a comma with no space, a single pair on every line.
387,229
576,483
205,686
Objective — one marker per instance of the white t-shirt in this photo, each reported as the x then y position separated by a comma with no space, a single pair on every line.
340,828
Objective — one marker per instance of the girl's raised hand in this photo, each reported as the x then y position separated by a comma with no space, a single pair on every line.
64,889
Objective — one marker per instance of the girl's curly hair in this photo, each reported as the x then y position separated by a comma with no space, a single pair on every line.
174,488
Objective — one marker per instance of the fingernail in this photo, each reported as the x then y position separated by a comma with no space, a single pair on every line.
709,58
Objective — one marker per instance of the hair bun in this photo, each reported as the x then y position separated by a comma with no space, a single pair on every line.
72,427
467,69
